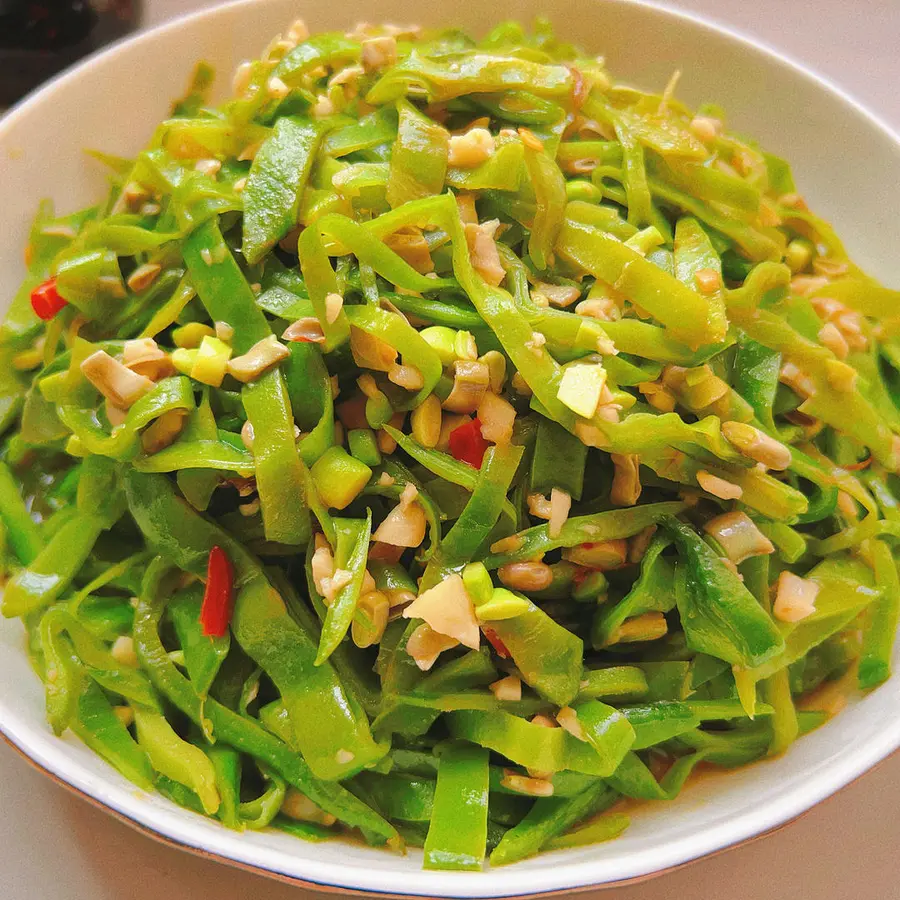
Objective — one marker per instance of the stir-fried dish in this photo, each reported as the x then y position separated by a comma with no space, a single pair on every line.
439,441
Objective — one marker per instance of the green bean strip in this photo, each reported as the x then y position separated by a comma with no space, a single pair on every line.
458,830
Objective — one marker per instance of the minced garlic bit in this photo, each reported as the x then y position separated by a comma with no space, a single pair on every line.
795,598
509,688
448,610
757,445
740,538
334,303
324,106
530,787
536,343
116,382
277,88
298,31
560,504
425,645
831,336
497,417
258,359
307,330
719,487
538,506
626,485
209,167
797,380
143,276
379,52
561,295
123,651
407,377
706,128
145,357
568,719
483,251
471,149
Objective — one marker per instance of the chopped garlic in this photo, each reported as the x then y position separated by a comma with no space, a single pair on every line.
471,149
497,417
530,787
560,504
483,251
568,719
277,88
143,276
738,536
626,485
795,598
259,358
404,526
719,487
509,688
448,610
145,357
379,52
425,645
123,652
117,383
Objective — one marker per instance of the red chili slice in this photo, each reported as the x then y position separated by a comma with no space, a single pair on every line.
494,640
45,300
218,598
467,444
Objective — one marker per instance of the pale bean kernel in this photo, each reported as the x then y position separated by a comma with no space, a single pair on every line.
526,576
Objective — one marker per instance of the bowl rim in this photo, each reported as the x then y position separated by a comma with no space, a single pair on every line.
46,752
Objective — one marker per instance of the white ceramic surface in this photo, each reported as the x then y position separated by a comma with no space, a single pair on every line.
112,102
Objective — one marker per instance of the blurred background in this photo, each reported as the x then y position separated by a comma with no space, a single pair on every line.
53,845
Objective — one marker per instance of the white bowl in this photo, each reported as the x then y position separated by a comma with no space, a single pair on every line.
845,161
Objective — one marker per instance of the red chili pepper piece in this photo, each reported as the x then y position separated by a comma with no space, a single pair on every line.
45,300
494,640
218,598
467,445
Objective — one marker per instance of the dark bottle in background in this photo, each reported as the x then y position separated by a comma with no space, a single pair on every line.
39,38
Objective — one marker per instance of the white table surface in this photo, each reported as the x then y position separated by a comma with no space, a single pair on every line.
54,846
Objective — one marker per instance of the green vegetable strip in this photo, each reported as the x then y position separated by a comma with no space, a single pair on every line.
606,526
280,474
104,732
175,758
350,555
878,638
529,745
418,157
550,193
482,511
549,818
52,570
548,656
458,830
684,312
22,533
276,181
719,615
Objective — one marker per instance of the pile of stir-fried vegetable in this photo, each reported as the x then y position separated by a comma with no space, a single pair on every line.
442,441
